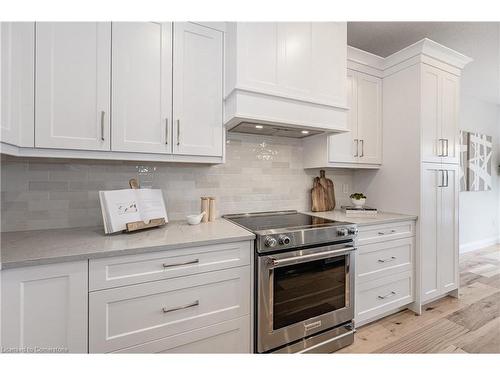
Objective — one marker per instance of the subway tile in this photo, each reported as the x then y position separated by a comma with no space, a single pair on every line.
48,186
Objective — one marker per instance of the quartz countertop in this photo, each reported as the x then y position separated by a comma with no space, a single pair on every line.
26,248
379,218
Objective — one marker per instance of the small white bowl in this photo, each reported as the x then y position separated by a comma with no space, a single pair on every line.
195,219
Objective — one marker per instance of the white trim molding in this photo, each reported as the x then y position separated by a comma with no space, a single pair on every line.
475,245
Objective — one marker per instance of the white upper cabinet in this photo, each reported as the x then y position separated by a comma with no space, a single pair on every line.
289,73
343,147
45,307
369,118
197,90
142,87
72,98
363,144
17,48
440,95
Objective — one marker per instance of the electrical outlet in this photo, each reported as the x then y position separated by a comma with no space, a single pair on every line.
345,188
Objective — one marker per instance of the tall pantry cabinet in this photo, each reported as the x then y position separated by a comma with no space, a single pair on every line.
421,159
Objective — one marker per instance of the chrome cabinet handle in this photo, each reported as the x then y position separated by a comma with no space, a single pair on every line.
165,265
357,146
384,233
362,141
386,260
102,125
178,132
446,178
195,303
441,147
166,131
442,178
387,295
446,141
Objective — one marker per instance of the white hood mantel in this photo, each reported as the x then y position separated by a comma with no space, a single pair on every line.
286,78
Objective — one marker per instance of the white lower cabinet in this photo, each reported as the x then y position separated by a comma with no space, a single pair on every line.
232,336
439,230
191,300
384,270
44,308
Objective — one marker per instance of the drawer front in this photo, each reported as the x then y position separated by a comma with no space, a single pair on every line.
127,270
132,315
385,232
382,295
232,336
384,259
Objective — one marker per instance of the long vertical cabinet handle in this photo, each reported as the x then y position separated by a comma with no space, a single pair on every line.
166,131
362,141
178,132
102,125
446,178
446,141
357,144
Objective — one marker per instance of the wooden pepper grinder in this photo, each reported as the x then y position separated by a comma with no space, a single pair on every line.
211,209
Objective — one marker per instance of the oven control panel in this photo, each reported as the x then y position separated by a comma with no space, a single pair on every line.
277,241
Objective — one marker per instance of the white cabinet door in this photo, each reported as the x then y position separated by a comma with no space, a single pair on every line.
430,112
448,230
17,109
430,229
45,307
72,99
343,147
197,90
450,92
369,109
142,87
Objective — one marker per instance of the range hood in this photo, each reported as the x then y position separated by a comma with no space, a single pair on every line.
286,78
273,130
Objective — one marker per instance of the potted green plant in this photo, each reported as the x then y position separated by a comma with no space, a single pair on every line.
358,199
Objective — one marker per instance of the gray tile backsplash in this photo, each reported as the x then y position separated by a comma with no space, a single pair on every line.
260,174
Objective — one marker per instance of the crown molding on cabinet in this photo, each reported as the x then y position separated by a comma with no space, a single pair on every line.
429,48
424,51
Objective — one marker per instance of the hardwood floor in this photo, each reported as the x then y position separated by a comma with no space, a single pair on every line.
469,324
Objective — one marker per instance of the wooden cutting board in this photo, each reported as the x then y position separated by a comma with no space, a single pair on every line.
322,194
318,196
328,186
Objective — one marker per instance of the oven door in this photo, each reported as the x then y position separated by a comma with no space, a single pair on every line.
303,292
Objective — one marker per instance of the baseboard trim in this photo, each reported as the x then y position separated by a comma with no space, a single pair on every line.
475,245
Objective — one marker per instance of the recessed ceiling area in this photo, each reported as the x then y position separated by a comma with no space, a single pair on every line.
385,38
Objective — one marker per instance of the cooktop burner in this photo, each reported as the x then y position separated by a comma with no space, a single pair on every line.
288,229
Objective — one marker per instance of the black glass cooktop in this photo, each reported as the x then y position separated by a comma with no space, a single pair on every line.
266,221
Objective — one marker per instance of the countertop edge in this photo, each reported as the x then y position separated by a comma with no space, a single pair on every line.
112,253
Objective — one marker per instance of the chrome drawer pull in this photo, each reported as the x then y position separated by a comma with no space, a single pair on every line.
195,303
387,295
387,260
181,264
384,233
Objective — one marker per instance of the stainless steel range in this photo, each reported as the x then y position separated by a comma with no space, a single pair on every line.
304,279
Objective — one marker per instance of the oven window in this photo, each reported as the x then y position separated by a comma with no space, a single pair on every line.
306,290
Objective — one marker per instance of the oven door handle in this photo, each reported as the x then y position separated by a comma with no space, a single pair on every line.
273,262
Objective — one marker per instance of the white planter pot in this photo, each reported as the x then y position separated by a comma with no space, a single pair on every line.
358,203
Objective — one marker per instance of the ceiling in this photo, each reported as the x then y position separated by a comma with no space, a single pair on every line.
385,38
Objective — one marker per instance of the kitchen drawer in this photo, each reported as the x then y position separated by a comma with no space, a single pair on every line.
385,232
127,316
383,259
126,270
232,336
382,295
